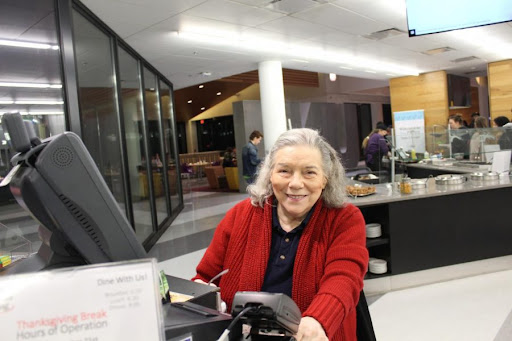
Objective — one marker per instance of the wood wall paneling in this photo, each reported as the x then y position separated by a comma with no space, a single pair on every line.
428,91
500,88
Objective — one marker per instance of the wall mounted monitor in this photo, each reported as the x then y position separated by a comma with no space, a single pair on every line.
434,16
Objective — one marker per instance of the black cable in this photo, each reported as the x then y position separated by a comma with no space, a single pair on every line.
226,332
239,316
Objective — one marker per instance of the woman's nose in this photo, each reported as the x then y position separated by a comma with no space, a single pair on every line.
296,181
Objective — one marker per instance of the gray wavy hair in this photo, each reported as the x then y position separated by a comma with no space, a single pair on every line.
334,193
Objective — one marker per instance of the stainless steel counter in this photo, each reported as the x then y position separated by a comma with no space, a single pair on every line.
452,166
386,193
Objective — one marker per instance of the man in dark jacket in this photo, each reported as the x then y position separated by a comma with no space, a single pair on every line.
250,160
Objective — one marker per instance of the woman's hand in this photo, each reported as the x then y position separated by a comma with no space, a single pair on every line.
310,330
203,282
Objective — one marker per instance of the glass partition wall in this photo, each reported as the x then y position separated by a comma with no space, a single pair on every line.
123,106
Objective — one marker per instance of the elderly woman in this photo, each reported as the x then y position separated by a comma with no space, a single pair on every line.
296,235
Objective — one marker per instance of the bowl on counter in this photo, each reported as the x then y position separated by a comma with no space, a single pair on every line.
484,176
450,179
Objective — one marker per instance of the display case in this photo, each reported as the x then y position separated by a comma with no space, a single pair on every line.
476,145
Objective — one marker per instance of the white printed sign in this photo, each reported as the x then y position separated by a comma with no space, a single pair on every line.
113,301
410,130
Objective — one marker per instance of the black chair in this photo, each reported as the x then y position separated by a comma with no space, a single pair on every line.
364,329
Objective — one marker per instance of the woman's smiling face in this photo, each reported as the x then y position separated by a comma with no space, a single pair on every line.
297,180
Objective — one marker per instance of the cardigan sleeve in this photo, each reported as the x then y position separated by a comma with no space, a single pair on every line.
213,260
343,273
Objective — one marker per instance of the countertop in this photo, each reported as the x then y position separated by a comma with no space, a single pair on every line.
452,166
387,193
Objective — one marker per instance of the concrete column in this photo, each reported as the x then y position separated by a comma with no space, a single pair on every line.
192,145
272,102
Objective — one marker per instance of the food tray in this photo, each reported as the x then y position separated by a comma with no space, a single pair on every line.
360,191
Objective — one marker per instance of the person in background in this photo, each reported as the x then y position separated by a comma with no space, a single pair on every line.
377,148
229,158
500,121
479,138
474,116
296,234
364,144
250,160
459,135
505,136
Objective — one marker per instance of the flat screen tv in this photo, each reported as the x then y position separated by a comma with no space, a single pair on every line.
434,16
58,183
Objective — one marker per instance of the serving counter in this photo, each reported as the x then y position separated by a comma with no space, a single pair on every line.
439,225
424,170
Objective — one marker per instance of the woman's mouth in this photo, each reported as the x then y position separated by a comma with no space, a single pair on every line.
295,197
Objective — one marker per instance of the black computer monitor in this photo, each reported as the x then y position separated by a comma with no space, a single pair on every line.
58,183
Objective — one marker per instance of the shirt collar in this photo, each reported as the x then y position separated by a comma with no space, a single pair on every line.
277,225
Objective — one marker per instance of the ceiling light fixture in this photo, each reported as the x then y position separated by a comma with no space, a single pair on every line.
6,102
30,85
293,51
189,101
38,102
201,86
206,73
37,113
202,108
17,43
219,93
346,68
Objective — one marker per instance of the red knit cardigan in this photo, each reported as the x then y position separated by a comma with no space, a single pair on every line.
329,266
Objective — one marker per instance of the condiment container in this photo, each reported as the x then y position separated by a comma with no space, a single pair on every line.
406,186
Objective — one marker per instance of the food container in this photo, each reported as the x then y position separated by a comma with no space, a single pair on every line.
484,176
450,179
419,183
406,186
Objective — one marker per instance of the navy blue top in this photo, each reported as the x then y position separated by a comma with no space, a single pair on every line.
279,275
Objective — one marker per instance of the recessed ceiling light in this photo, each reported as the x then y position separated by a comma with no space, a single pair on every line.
202,108
219,93
438,50
346,68
370,71
189,101
201,86
205,73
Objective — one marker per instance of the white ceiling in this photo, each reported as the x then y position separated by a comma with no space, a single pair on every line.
226,37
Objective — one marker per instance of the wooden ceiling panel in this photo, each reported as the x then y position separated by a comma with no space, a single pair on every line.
207,96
